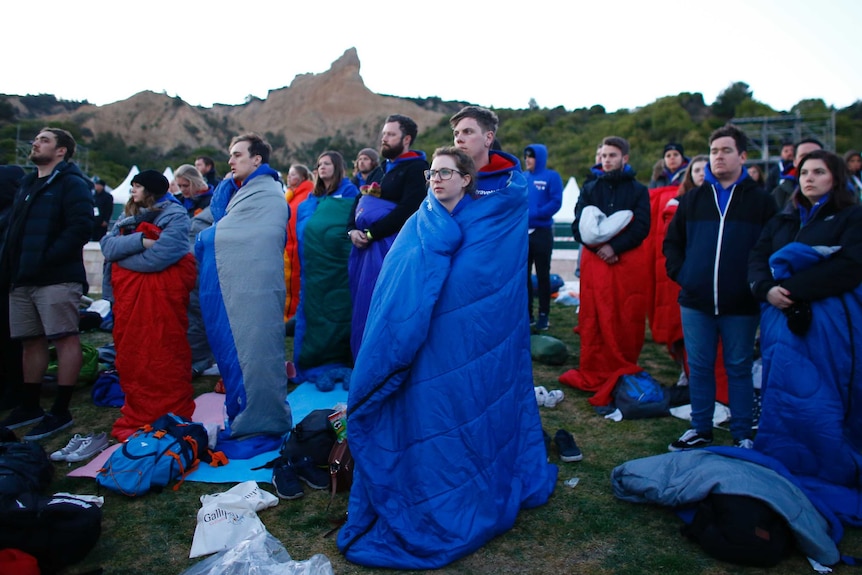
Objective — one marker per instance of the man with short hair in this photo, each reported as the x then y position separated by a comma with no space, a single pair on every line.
242,295
612,220
779,170
379,213
545,192
706,247
789,183
51,220
206,166
367,168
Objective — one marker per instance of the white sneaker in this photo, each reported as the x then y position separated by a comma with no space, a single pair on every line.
541,395
74,443
554,397
547,398
90,446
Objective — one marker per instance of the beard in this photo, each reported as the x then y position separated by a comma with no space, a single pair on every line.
392,152
39,160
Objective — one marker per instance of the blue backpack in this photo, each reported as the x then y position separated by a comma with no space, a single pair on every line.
157,454
639,396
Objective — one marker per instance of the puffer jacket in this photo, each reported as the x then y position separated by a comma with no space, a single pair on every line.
48,228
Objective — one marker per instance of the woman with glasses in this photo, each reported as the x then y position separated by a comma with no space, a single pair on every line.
443,463
322,334
806,269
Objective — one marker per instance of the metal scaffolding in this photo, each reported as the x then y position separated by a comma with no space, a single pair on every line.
766,134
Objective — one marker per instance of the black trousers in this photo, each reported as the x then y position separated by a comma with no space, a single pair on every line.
541,245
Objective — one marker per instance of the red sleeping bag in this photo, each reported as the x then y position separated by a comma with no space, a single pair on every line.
611,321
153,354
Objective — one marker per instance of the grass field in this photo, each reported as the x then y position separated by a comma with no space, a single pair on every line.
581,530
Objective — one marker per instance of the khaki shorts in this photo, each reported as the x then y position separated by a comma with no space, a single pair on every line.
50,311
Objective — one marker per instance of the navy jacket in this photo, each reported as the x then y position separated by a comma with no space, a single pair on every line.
403,183
612,192
48,228
545,189
838,274
707,253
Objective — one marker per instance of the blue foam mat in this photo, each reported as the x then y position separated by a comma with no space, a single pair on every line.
303,400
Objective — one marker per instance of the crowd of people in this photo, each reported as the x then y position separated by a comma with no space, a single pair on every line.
399,281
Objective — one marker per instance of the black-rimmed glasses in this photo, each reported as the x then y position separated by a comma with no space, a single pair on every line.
444,173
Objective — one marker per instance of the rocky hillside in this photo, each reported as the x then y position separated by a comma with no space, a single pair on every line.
313,106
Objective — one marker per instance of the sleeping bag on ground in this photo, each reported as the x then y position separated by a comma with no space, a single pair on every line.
322,336
442,417
611,321
811,419
153,354
242,297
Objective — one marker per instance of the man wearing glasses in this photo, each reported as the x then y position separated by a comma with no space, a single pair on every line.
379,213
52,219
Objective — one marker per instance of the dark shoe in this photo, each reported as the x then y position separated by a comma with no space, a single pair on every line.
543,323
315,477
566,446
21,417
287,485
50,424
547,439
691,439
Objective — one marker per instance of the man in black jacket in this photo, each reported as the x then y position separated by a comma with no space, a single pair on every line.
612,220
51,221
379,213
104,209
707,247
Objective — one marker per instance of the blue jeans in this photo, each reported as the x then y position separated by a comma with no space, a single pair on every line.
702,332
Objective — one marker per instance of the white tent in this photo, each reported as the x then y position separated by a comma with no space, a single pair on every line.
122,192
169,174
571,193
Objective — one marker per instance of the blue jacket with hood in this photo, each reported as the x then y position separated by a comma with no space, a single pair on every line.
545,189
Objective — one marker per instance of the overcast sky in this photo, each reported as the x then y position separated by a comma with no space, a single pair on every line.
576,54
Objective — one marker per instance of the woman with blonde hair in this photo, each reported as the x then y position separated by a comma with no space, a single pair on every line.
196,193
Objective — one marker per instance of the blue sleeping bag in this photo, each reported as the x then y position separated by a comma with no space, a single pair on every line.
442,416
242,294
812,392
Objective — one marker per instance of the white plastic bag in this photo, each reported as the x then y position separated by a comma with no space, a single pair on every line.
262,554
227,518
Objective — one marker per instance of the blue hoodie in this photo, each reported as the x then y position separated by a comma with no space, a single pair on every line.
545,189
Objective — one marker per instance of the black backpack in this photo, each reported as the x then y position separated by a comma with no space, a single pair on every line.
58,531
740,529
24,468
312,437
